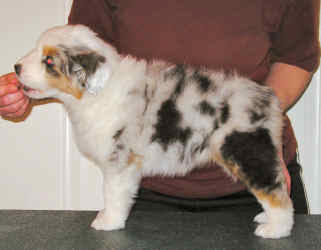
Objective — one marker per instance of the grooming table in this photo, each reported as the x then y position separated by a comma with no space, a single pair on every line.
150,230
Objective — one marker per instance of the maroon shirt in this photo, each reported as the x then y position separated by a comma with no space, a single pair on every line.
243,35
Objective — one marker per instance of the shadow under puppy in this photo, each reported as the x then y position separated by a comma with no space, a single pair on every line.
135,118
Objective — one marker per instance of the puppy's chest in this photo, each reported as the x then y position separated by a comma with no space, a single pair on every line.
103,127
94,142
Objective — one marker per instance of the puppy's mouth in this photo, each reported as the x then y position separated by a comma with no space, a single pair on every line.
27,90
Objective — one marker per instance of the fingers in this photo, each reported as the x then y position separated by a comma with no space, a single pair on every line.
11,98
9,79
21,110
16,106
7,89
8,84
13,102
15,109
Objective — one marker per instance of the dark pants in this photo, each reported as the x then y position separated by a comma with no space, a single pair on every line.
243,200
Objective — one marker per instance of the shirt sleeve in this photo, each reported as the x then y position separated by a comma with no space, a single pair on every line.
97,15
296,41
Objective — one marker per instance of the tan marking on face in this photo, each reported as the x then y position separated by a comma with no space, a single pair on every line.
50,51
60,81
135,159
64,84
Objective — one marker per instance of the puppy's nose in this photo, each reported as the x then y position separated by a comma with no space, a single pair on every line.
18,68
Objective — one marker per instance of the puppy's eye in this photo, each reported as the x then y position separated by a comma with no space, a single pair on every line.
49,61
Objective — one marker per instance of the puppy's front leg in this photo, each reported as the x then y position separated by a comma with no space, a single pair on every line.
119,189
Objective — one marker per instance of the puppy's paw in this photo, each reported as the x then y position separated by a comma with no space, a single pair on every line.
105,223
100,224
261,218
275,224
272,231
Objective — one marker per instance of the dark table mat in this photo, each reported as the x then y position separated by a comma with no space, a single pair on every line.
149,230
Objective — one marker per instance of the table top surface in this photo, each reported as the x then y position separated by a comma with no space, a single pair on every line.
149,230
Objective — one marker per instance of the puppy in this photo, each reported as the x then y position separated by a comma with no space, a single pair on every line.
135,118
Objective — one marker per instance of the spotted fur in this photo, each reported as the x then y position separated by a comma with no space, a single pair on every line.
135,118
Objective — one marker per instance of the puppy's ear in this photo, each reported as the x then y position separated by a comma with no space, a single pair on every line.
81,63
89,61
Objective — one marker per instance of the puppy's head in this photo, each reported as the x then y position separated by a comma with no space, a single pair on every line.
68,60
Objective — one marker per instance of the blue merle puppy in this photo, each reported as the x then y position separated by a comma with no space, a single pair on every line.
135,118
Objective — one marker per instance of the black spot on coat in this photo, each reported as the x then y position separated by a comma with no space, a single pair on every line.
118,134
256,156
203,81
167,128
225,113
206,108
255,116
180,74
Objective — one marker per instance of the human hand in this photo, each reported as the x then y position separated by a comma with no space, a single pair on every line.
13,102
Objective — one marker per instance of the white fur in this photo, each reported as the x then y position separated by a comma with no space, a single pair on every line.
274,222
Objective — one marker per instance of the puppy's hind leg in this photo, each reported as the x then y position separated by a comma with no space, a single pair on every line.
253,158
262,217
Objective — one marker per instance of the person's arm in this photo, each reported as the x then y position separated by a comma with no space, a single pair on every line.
288,83
296,53
295,50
